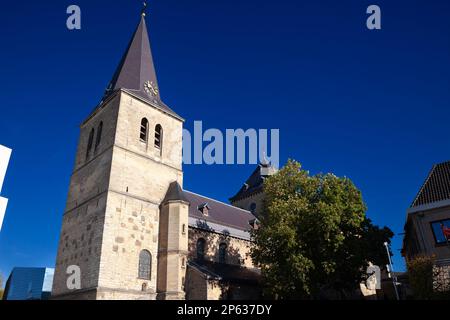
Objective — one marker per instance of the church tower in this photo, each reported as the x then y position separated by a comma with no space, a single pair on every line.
129,153
251,195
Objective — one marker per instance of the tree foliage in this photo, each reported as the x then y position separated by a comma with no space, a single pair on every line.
314,235
420,273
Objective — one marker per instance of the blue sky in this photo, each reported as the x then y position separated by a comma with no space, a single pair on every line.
370,105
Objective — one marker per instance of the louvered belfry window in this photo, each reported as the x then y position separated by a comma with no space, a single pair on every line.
144,130
158,136
90,142
99,135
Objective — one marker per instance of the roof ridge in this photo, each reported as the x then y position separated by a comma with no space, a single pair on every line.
443,163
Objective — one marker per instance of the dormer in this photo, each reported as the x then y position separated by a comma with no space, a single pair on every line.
204,209
254,223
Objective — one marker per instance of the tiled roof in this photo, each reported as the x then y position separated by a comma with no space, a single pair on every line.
436,187
219,212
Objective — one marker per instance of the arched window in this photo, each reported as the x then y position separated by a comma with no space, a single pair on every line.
99,135
144,130
222,253
158,136
253,208
90,142
145,265
201,249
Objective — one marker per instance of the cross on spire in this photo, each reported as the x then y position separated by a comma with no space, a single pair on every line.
144,9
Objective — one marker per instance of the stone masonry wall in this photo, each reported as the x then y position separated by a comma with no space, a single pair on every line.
246,203
238,250
81,232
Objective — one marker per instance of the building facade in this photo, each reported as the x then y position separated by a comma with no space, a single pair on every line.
128,225
29,284
427,220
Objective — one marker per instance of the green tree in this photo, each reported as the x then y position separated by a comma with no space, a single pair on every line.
314,235
421,274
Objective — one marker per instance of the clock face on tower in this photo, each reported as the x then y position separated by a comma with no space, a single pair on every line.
151,88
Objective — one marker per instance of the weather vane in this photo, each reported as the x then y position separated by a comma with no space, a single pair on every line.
144,8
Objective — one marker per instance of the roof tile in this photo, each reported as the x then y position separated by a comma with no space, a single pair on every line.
436,187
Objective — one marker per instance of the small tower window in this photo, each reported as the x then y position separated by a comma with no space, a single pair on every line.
99,135
90,142
183,262
253,208
158,136
144,130
201,249
145,265
183,229
223,253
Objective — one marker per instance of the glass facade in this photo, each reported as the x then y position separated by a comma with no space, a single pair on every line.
29,284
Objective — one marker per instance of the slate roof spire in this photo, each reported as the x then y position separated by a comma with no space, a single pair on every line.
255,182
136,72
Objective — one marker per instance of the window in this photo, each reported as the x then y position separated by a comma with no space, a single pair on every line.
145,265
90,141
99,135
222,253
438,232
201,249
183,229
144,130
158,136
253,208
183,263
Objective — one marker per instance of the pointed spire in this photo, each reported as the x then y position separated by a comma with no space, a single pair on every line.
136,71
175,193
